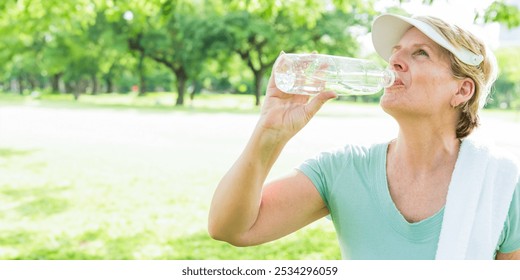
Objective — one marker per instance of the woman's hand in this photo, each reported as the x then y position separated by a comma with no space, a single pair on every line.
285,114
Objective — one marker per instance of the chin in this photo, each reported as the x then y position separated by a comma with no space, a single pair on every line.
393,105
388,100
389,110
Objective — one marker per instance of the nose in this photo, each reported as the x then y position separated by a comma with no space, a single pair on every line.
397,62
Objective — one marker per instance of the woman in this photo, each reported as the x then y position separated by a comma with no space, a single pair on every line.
430,193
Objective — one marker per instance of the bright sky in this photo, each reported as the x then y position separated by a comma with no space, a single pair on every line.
460,12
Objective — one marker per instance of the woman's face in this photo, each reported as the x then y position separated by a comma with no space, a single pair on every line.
424,84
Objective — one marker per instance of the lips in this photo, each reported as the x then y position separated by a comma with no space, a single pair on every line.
398,82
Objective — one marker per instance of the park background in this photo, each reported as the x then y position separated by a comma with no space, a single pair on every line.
118,118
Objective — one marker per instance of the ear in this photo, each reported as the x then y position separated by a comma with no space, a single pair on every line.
465,92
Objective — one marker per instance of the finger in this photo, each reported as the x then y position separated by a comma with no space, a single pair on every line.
271,83
315,104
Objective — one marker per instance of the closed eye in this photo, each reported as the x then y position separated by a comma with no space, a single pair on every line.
421,52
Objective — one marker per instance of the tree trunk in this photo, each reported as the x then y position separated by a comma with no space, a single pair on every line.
32,83
258,73
197,87
258,85
182,78
94,84
55,82
110,85
69,87
181,88
76,90
142,84
135,44
20,86
142,76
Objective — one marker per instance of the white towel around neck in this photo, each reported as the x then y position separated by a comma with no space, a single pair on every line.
477,204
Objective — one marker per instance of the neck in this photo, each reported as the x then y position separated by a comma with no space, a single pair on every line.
424,150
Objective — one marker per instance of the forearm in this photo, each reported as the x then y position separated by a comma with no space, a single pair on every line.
236,201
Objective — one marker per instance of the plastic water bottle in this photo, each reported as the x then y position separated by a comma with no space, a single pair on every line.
312,73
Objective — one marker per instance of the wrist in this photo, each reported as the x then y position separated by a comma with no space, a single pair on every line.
270,136
266,144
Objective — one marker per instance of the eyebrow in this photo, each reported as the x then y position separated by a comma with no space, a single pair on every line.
422,45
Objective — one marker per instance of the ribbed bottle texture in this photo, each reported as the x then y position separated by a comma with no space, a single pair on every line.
313,73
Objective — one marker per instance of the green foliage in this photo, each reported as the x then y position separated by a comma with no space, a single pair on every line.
500,11
257,33
506,92
93,46
83,42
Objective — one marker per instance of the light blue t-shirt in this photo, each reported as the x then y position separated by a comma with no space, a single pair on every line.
352,182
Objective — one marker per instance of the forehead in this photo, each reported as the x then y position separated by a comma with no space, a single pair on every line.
414,36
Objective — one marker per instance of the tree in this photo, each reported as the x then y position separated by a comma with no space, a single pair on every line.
500,11
506,93
258,32
41,32
252,41
171,35
85,43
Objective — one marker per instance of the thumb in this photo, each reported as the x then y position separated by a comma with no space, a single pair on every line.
271,83
315,104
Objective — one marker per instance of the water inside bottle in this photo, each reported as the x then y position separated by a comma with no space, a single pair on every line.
302,84
359,83
284,81
309,75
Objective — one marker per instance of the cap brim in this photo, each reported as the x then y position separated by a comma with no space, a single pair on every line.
388,29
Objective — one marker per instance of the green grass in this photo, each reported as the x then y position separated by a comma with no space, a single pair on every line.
202,103
107,181
98,244
91,220
122,177
156,101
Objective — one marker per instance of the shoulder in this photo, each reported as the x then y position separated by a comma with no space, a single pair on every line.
496,155
351,154
340,161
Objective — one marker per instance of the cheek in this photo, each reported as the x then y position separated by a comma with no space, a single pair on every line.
435,83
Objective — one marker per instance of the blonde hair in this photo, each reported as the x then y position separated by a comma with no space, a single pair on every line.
483,75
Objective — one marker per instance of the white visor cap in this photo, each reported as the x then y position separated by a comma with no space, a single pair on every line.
388,29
